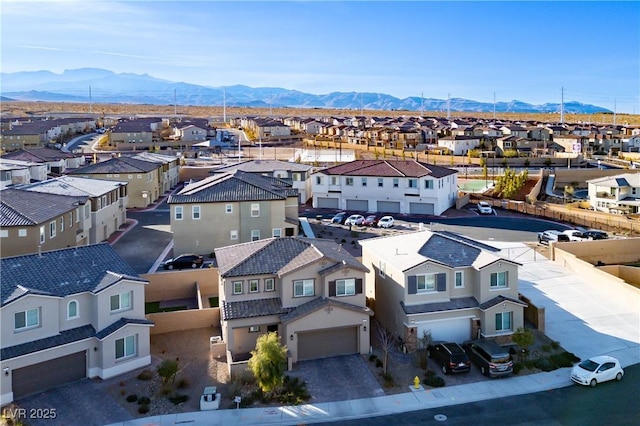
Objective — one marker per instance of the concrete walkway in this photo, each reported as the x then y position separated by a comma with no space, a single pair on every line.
584,317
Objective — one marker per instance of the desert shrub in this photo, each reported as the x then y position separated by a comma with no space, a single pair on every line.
343,241
132,398
372,357
433,380
122,392
555,345
544,364
563,359
145,375
144,400
517,367
546,348
143,409
378,363
168,370
165,390
530,364
179,399
293,392
388,379
183,383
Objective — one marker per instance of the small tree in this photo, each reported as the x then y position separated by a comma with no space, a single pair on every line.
268,362
524,338
386,342
168,370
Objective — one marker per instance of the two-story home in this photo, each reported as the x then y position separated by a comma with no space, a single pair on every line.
169,172
139,133
309,291
298,174
67,315
440,282
615,194
15,172
386,186
31,222
56,161
232,208
459,145
108,200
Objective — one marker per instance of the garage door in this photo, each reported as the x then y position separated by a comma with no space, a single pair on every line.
358,205
455,330
44,375
421,208
327,203
389,206
326,343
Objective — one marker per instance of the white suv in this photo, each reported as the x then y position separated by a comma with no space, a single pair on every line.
485,208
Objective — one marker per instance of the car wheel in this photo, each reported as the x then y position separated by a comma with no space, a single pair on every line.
593,383
444,369
483,370
193,265
170,267
619,376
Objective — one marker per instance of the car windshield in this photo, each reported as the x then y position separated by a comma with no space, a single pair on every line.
501,359
588,365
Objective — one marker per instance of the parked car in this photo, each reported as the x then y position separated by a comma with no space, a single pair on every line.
371,220
386,222
339,217
492,359
450,356
594,234
552,235
188,260
485,208
354,219
595,370
575,235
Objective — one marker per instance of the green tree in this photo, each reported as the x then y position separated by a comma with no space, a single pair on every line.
268,362
524,338
168,370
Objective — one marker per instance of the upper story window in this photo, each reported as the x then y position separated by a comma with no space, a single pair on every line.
233,234
349,181
269,284
412,183
228,208
428,184
499,279
52,229
276,232
70,219
237,287
296,177
120,302
303,288
22,232
104,201
42,235
380,182
255,235
4,233
178,213
335,180
62,224
396,182
126,347
318,180
426,283
72,310
459,282
346,287
195,212
26,319
364,181
253,286
255,210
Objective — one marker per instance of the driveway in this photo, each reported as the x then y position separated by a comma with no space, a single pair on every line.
337,378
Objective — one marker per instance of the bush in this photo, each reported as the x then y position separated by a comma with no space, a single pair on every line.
145,375
433,380
165,390
544,364
517,367
293,392
378,363
132,398
546,348
388,379
564,359
179,399
372,357
143,400
555,345
143,409
183,383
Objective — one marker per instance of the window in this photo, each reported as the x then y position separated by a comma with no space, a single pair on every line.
4,233
499,279
70,220
269,284
253,286
412,183
52,229
346,287
195,212
380,182
22,232
72,310
42,235
62,224
364,181
254,329
120,301
459,283
104,201
228,208
129,176
382,269
303,288
503,321
178,213
233,234
276,232
318,180
237,287
26,319
255,235
396,182
255,210
426,282
296,177
334,180
349,181
125,347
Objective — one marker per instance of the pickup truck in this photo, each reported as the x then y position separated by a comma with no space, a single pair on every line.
575,235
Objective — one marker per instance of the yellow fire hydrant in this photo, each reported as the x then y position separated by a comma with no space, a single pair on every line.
416,382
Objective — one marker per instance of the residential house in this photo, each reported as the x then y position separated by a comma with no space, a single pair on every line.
169,172
39,133
522,146
56,161
443,284
385,186
515,130
141,176
137,133
631,143
309,291
31,222
299,175
108,200
572,143
67,315
615,194
231,208
189,133
459,145
14,172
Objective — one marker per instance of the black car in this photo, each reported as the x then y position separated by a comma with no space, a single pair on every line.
340,217
183,261
594,234
451,357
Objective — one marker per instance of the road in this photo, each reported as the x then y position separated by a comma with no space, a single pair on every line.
611,403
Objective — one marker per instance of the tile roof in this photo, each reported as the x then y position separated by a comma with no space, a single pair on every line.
122,322
389,168
62,338
117,165
74,186
252,308
26,208
59,273
454,304
234,186
263,166
321,303
39,155
498,300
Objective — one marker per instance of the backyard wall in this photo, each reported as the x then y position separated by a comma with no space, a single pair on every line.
568,176
172,285
609,252
630,274
166,322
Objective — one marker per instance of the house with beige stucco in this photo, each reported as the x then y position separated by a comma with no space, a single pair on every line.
61,324
442,283
311,292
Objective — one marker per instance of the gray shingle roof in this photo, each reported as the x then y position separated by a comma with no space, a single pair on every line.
122,322
320,303
64,272
454,304
498,300
75,186
26,208
117,165
62,338
447,252
263,166
252,308
39,155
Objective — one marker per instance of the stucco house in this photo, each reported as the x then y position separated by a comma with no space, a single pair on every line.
15,172
56,161
386,186
309,291
232,208
443,283
459,145
67,315
615,194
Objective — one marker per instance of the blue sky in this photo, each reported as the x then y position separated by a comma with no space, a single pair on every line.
518,50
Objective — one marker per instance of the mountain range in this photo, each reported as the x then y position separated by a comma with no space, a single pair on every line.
104,86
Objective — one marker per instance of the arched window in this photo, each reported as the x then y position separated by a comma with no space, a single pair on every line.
72,310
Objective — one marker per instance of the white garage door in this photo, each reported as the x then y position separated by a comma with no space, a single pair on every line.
358,205
454,330
327,203
389,206
421,208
